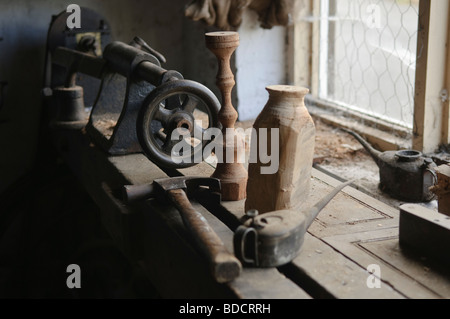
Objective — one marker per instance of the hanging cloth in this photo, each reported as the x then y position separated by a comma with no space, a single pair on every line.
227,14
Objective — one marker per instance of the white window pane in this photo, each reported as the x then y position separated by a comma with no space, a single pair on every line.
368,56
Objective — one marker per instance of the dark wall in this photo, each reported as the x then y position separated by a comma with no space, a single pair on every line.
23,30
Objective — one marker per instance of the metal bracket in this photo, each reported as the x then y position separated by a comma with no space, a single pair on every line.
128,103
112,123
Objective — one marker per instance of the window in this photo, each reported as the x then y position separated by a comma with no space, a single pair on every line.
382,63
367,57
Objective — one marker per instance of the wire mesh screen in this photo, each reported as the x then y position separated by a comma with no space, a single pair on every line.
368,56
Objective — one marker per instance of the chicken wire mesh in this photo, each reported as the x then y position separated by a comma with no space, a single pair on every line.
367,57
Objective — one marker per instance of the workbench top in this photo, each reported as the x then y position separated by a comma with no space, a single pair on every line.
351,250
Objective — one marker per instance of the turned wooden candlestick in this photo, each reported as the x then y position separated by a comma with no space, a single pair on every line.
232,174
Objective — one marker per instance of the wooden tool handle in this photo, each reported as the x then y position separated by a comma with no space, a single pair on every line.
224,266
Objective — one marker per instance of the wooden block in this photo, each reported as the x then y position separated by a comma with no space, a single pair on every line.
442,189
425,232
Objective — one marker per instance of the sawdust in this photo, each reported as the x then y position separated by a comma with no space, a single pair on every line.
106,126
338,154
334,146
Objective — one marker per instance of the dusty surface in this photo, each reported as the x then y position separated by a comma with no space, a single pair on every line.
106,127
343,156
340,155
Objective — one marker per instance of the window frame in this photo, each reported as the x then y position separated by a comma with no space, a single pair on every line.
431,126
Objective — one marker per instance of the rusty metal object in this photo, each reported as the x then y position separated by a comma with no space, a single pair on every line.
138,104
68,98
167,117
406,174
275,238
141,44
157,102
91,39
69,104
224,266
233,175
65,91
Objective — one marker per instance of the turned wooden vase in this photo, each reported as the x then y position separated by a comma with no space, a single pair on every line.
289,139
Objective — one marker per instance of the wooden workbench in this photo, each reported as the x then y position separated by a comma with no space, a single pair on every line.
351,233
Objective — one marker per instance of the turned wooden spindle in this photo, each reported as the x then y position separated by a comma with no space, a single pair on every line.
233,176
